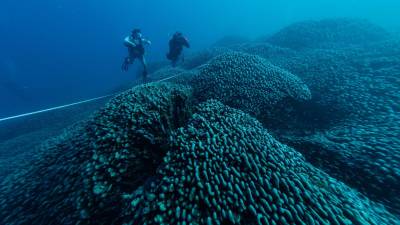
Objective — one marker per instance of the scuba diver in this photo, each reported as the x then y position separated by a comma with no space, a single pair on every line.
135,44
176,44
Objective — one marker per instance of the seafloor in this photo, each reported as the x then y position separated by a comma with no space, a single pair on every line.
301,127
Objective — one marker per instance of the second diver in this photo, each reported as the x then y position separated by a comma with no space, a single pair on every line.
176,44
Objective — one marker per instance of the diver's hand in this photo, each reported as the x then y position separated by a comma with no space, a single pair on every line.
147,42
130,44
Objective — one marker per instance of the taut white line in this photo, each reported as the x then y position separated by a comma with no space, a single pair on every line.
72,104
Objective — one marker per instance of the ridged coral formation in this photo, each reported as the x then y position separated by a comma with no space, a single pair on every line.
133,129
358,93
247,82
350,127
244,81
328,33
187,153
44,190
82,175
21,138
365,156
224,168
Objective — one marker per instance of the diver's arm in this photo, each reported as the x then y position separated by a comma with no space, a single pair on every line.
186,43
128,42
145,41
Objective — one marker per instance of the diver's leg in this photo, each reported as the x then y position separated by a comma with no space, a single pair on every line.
127,61
143,61
124,66
174,62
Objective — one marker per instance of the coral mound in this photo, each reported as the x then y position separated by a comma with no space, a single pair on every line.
224,168
364,155
356,102
191,151
247,82
132,130
82,175
328,33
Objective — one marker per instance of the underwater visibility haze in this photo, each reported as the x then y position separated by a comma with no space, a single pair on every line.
258,112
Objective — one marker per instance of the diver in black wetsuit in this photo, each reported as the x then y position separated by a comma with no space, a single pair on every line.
136,43
176,44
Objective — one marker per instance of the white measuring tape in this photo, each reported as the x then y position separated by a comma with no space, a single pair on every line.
72,104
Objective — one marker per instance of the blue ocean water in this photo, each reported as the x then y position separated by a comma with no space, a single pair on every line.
281,113
49,48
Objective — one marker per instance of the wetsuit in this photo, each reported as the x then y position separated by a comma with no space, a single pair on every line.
176,45
136,50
